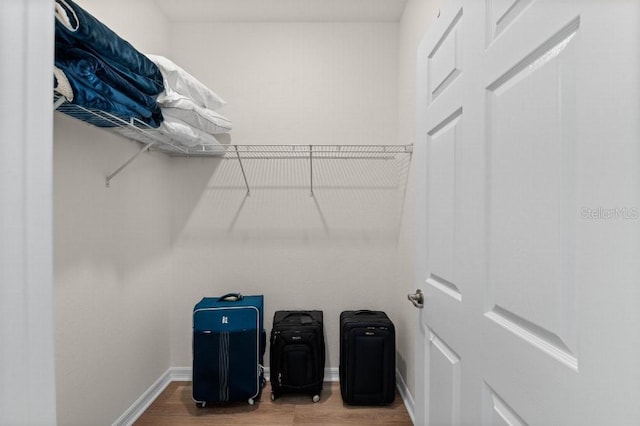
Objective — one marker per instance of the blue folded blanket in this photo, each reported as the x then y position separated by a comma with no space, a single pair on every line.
78,28
104,71
95,85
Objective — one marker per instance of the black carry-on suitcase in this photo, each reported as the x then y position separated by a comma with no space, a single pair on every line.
367,358
297,353
228,349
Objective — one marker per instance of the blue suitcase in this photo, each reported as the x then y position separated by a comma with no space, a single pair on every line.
228,349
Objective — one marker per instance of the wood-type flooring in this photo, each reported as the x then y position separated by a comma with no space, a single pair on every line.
174,406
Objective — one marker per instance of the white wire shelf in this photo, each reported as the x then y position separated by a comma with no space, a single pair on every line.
317,151
132,129
154,139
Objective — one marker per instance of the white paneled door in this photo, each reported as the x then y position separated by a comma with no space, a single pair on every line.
528,164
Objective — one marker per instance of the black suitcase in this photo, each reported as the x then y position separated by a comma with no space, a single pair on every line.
367,358
297,353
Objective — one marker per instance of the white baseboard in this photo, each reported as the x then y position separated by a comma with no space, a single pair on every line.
173,374
407,398
145,400
183,374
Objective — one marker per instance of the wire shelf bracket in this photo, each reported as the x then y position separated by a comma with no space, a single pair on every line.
244,175
132,129
311,169
107,180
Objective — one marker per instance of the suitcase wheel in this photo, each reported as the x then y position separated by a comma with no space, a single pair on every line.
200,404
315,398
251,401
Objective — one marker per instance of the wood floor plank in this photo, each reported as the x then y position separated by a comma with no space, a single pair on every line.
175,407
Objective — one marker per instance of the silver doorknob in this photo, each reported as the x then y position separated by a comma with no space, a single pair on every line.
417,299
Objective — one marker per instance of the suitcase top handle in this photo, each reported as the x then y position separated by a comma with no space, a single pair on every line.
305,318
230,297
365,312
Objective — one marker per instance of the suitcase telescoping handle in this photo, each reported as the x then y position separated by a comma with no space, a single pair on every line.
230,297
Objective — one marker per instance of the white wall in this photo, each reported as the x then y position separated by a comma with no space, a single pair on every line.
112,269
297,83
289,83
140,22
332,252
111,255
417,17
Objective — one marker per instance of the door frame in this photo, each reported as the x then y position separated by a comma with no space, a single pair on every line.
26,212
421,372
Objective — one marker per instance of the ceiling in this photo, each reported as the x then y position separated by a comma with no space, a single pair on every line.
282,10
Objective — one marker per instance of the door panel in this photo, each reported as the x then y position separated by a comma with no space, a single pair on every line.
528,136
441,169
501,14
445,60
530,175
445,376
496,411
